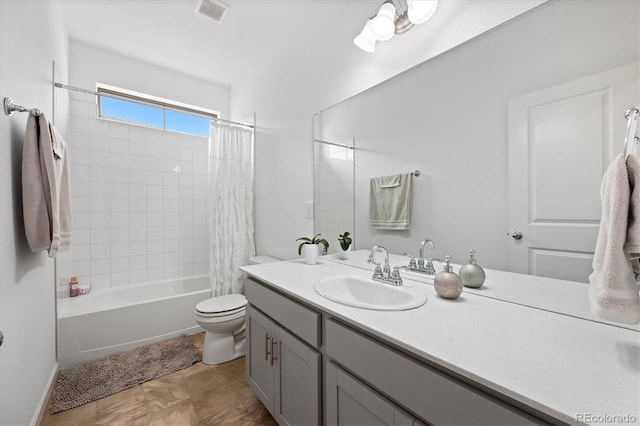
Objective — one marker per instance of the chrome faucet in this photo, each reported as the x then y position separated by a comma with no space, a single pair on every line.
424,265
384,274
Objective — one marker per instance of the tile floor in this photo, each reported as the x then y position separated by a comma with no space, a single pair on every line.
199,395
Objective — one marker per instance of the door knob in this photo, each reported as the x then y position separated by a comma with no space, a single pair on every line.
516,235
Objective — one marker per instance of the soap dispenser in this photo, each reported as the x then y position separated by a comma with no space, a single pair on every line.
447,283
472,274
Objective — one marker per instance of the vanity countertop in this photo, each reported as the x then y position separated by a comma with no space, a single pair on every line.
562,365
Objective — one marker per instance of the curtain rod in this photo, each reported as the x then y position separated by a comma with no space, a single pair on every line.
235,123
93,92
77,89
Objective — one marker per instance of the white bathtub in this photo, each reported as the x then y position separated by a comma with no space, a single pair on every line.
115,320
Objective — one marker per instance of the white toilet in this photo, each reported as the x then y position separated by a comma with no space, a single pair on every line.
223,318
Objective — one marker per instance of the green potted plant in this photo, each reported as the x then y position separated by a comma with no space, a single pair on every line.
311,248
345,243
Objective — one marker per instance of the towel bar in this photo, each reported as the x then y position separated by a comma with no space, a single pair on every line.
10,107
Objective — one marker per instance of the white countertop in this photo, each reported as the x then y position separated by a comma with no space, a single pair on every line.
559,364
559,296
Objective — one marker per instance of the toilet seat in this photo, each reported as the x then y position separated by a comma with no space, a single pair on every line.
220,306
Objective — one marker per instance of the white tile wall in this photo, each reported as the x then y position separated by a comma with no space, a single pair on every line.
333,192
138,201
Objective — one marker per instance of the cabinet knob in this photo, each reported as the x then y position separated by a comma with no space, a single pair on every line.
516,235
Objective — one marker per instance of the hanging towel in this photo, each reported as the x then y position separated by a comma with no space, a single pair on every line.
46,198
632,243
390,202
613,293
61,202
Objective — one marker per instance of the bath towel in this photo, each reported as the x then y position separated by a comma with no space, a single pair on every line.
390,202
632,243
613,293
61,202
46,198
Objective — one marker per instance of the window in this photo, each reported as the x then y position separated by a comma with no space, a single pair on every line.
137,108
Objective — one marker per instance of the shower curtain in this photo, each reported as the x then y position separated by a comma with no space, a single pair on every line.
230,198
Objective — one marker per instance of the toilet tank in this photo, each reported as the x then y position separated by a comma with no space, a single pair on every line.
256,260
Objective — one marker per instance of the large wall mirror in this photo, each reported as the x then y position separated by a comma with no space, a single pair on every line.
512,131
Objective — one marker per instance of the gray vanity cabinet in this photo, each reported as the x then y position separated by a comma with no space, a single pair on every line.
351,402
282,370
365,380
259,371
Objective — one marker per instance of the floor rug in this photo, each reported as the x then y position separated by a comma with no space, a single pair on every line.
93,380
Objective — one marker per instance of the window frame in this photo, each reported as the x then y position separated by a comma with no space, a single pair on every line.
149,100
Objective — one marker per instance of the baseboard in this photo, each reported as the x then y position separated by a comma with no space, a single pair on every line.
46,394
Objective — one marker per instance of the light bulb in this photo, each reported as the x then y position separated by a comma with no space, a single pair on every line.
421,10
366,40
382,25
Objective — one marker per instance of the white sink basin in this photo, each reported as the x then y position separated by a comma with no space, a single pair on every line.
362,292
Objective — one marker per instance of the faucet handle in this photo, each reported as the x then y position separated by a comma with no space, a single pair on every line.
429,269
396,279
412,260
386,271
377,272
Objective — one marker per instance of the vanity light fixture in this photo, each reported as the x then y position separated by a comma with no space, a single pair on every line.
392,20
419,11
366,40
383,24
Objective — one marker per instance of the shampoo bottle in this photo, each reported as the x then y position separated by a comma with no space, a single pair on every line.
447,283
472,274
74,287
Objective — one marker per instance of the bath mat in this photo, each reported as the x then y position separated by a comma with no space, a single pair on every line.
93,380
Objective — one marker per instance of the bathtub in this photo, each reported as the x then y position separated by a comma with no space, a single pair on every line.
98,324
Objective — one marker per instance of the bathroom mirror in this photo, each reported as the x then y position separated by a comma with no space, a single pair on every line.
484,124
333,182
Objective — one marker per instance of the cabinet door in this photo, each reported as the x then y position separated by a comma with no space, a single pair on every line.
350,402
297,377
259,372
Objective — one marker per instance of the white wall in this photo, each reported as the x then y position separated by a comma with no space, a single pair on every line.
31,36
448,119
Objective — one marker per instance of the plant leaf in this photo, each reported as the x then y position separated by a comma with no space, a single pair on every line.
305,239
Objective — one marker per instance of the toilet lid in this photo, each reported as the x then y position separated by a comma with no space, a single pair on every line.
229,302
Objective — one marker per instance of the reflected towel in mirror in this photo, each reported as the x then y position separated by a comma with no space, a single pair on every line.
390,202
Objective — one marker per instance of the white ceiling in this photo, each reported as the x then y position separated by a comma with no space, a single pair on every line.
277,37
253,34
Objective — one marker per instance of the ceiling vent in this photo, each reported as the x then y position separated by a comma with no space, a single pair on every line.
211,9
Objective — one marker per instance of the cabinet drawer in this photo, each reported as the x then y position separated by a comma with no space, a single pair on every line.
432,395
297,318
